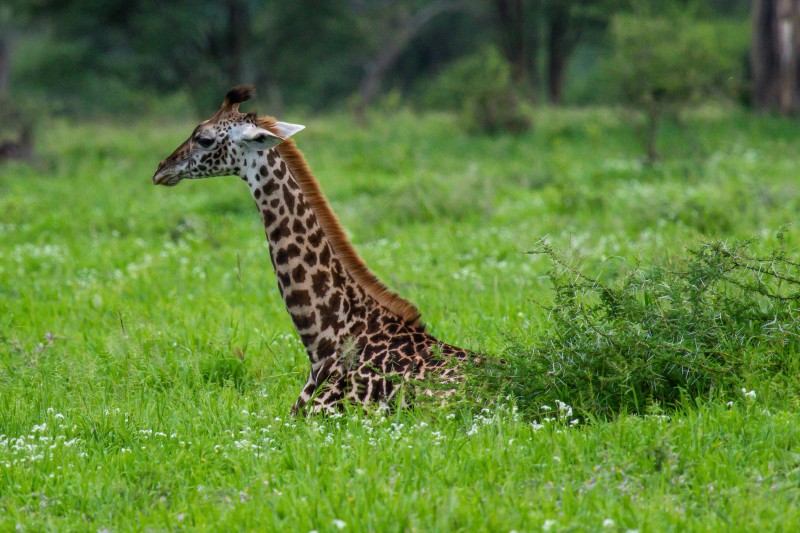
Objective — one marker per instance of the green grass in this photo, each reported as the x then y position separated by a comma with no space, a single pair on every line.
147,365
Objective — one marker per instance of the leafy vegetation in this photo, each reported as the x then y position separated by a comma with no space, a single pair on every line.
131,56
699,327
480,87
147,365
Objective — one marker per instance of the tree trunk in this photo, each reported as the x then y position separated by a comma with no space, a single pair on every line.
775,55
511,19
519,42
560,46
652,133
5,64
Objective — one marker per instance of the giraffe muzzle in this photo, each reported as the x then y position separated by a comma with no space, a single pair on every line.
166,175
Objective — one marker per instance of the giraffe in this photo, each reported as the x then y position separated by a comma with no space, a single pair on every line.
363,341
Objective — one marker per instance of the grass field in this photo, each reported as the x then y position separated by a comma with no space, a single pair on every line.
147,365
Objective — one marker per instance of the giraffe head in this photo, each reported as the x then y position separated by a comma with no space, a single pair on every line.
220,145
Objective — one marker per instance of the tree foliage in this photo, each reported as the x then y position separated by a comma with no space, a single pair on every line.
481,87
121,56
661,64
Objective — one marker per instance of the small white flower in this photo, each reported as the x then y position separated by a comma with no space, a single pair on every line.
751,395
608,523
340,524
548,524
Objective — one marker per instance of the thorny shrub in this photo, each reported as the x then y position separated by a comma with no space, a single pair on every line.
659,335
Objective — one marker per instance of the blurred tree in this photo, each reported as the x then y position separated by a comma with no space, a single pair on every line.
775,55
203,47
528,30
118,55
480,87
518,38
663,64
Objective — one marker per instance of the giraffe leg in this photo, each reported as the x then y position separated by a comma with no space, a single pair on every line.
305,395
322,393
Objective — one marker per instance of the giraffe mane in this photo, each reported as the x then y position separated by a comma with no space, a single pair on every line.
336,235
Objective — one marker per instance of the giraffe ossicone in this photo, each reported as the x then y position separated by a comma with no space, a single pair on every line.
363,340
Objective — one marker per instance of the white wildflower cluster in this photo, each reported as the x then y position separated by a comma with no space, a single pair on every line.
484,418
148,437
52,437
561,413
8,227
259,442
749,395
52,253
465,273
509,409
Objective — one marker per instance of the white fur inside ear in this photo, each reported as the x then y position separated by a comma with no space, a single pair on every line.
286,129
255,136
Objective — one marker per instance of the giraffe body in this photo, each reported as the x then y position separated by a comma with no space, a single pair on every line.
362,340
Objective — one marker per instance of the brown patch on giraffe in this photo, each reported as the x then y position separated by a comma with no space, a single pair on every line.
304,321
281,231
320,282
270,187
325,255
288,197
315,238
310,258
299,273
292,251
298,298
325,348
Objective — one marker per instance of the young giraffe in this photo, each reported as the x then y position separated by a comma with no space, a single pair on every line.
362,339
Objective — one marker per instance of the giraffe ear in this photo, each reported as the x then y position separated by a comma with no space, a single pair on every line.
286,130
256,137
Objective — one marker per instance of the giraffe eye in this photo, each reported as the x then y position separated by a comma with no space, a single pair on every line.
205,142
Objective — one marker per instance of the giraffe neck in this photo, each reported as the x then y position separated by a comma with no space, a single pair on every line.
324,301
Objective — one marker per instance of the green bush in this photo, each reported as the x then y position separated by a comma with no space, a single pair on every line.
480,88
709,324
